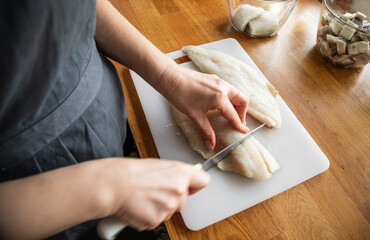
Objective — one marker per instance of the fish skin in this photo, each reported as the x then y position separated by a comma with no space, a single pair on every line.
262,95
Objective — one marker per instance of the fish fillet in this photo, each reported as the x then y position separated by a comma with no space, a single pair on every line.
255,20
243,14
250,158
264,25
262,95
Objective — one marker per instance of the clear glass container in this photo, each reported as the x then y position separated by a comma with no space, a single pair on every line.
343,34
259,18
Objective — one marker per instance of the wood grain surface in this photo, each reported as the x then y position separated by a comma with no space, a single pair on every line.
333,104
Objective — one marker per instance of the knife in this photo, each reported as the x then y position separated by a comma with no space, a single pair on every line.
109,228
213,161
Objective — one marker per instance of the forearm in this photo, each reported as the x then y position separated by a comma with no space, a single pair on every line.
42,205
189,91
119,40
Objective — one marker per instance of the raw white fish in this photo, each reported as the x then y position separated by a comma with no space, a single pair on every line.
250,158
255,20
243,14
264,25
262,95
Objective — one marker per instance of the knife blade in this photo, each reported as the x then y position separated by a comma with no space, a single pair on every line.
213,161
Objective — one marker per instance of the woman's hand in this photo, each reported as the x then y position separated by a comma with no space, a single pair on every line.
141,193
195,93
147,192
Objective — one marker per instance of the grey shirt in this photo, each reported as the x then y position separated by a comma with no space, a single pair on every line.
61,102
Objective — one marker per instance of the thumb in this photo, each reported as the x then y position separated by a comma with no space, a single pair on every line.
198,180
206,131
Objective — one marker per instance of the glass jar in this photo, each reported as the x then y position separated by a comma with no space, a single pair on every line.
259,18
343,34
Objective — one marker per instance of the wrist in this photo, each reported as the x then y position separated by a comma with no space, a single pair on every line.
102,198
113,185
169,80
157,68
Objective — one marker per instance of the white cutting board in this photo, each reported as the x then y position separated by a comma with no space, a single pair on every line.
299,156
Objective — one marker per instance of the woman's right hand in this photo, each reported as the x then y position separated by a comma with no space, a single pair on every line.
140,193
146,192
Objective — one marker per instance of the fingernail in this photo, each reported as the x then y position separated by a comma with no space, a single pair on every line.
209,145
244,129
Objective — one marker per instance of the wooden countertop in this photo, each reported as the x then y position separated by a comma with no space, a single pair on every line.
333,104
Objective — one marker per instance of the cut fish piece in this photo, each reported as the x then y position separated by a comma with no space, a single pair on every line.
331,38
345,17
335,26
262,95
250,158
358,47
264,25
347,32
360,16
243,14
341,47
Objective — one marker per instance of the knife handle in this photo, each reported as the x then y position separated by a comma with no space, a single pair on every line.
198,166
108,228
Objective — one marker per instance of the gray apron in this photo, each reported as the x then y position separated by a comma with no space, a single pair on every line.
73,113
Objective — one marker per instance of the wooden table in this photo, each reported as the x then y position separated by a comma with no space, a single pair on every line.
333,104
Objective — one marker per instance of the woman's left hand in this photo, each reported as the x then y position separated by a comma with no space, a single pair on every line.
195,93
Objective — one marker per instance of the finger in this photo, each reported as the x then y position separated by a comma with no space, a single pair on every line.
240,102
230,113
182,203
198,180
168,217
206,130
